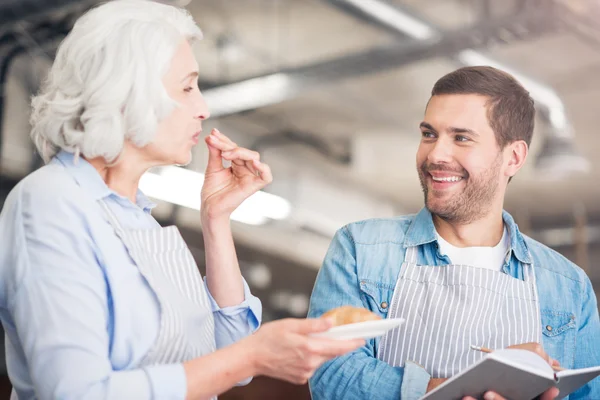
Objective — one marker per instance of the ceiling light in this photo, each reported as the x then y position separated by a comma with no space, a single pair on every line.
182,186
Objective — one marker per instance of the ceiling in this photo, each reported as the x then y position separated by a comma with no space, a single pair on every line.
381,111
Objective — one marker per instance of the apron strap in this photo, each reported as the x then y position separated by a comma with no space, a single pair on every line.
529,271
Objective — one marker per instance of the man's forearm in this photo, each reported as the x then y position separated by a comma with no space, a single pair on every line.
360,376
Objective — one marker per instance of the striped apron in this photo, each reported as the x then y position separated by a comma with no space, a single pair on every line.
186,328
449,308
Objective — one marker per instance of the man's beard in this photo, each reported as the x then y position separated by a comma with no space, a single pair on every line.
475,199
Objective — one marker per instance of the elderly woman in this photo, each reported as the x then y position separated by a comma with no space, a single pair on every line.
98,301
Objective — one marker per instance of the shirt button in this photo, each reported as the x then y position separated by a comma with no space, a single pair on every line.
384,305
548,328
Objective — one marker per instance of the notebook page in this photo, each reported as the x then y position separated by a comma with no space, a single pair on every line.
508,378
525,360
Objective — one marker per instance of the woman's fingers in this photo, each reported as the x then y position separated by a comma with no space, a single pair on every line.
240,153
264,171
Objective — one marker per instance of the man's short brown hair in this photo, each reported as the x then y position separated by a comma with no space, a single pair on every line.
511,111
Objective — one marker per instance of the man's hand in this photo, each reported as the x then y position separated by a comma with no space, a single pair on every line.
550,394
435,382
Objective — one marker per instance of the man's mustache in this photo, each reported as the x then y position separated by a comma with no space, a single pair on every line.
426,168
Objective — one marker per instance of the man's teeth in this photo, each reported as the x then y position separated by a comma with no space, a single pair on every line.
447,179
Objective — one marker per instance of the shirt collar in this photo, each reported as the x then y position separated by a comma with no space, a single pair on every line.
90,180
517,241
422,231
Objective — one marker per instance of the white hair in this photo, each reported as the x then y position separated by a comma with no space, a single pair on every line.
105,84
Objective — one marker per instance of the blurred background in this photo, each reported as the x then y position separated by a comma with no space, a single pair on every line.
331,93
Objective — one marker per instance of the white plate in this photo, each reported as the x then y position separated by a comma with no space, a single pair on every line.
362,330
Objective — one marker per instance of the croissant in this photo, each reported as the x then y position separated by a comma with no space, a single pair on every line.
350,315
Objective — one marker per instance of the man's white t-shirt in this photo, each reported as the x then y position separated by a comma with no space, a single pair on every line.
482,257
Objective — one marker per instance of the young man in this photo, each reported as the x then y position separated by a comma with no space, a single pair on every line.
459,271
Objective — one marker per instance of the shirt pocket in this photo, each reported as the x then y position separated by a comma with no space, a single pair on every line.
377,296
559,330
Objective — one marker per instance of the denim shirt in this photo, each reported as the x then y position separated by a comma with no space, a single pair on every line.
361,268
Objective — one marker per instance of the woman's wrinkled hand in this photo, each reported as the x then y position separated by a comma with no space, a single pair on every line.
224,189
285,349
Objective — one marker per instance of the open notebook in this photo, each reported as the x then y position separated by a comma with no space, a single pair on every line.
514,374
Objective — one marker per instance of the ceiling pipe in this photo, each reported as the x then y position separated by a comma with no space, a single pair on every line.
272,88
